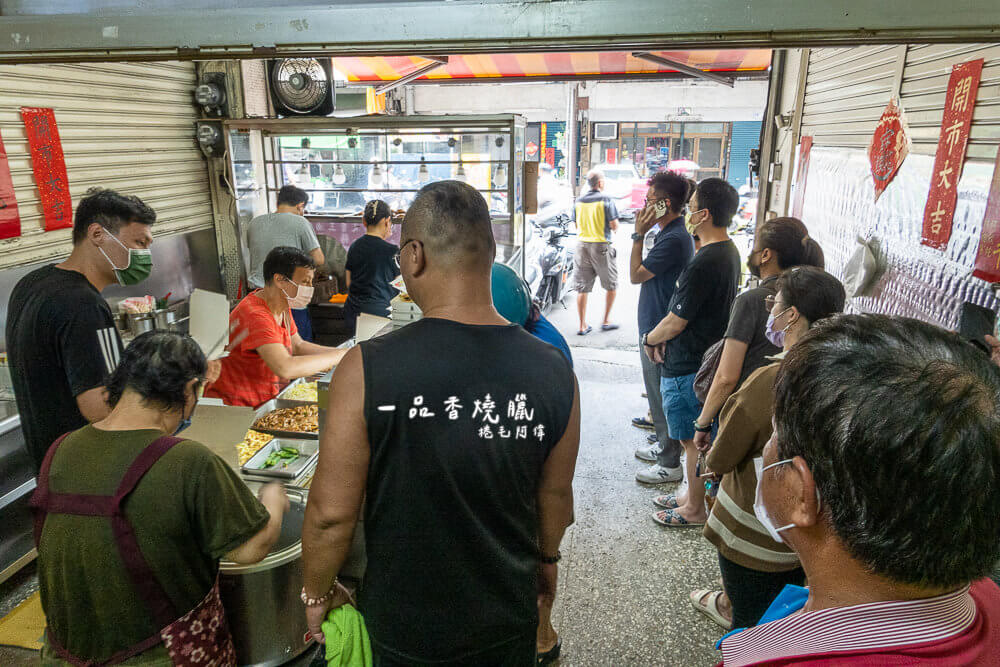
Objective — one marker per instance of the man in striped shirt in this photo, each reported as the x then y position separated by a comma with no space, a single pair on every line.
61,338
883,475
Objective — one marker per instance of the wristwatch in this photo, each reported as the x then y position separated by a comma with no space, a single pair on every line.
551,560
702,429
645,336
636,236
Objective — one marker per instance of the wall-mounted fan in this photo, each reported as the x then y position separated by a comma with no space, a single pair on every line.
301,86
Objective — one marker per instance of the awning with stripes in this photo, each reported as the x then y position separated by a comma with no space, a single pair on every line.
548,65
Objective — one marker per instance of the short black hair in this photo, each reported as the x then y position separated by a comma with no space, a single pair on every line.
721,200
899,422
110,210
814,292
158,365
673,186
289,195
376,210
789,239
452,220
283,261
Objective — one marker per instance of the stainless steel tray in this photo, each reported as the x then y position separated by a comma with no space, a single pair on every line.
277,404
308,448
284,392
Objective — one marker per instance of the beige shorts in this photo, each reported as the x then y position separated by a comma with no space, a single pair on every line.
594,260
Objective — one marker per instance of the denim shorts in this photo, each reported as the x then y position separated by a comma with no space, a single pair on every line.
680,406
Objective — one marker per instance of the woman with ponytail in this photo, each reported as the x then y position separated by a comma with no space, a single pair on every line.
371,266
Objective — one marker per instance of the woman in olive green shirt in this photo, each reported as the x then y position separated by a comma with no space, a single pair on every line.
186,512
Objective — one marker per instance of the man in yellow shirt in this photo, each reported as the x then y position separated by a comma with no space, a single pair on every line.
596,217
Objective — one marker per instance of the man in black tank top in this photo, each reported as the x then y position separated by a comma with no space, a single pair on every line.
460,432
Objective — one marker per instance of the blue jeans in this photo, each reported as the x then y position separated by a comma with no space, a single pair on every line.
680,405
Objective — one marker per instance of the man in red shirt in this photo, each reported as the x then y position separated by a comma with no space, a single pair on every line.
272,353
883,475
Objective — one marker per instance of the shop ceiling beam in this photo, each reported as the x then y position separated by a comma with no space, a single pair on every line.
686,69
46,31
415,74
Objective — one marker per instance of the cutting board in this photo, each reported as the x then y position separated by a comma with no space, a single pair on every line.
220,428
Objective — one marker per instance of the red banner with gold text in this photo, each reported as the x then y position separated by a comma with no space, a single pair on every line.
49,166
10,220
963,86
988,256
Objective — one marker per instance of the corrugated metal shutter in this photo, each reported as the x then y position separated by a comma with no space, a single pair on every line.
846,92
925,82
129,127
745,137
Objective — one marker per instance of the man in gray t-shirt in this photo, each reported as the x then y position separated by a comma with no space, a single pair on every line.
284,227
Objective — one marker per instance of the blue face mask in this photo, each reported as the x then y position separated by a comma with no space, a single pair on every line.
183,425
186,421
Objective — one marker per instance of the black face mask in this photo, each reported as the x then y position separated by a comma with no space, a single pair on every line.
754,268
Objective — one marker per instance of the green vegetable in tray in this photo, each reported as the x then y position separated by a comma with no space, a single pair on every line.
283,456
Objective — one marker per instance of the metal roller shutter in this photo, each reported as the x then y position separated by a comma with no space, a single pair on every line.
129,127
925,82
846,92
746,137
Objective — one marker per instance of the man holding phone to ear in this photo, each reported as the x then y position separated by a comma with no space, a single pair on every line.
657,274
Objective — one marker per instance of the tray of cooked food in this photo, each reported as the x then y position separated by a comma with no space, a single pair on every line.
251,444
287,419
302,390
282,457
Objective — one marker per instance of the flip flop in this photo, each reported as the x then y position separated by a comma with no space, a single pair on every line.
671,519
667,502
608,327
710,606
549,656
585,331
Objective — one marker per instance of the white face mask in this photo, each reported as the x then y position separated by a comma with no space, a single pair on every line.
758,504
303,295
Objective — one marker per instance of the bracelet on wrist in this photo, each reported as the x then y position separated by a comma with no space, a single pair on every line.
316,602
702,429
551,560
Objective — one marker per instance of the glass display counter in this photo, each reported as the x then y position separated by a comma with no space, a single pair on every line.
343,163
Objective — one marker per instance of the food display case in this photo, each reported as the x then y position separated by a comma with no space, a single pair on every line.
345,162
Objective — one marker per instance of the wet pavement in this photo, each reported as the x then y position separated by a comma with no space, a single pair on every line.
623,581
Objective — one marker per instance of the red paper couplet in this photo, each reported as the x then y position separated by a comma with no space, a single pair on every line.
10,220
49,166
889,147
988,256
963,86
805,148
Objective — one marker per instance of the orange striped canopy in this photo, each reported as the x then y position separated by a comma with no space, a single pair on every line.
529,65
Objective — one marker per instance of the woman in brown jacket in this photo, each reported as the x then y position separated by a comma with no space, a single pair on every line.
754,566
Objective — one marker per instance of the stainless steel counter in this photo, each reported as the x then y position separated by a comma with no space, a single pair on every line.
17,547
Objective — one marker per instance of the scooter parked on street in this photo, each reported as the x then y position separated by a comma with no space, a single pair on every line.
555,262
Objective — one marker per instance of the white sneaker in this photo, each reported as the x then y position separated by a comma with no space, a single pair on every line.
647,453
657,474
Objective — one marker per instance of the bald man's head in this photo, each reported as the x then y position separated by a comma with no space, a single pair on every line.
452,221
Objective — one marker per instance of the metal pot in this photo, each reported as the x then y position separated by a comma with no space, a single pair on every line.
164,319
262,602
140,323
